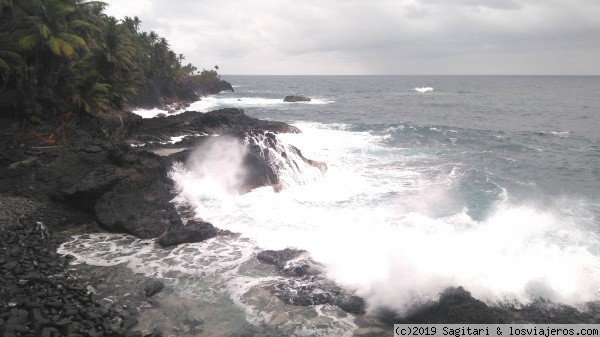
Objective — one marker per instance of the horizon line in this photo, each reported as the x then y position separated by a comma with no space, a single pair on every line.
579,75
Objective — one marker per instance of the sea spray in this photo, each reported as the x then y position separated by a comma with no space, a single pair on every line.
219,161
400,254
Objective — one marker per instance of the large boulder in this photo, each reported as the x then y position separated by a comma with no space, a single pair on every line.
140,207
192,231
125,190
296,98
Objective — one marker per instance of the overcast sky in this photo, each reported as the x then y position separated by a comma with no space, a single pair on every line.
359,37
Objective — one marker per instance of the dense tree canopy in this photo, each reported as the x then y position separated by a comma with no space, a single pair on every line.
68,56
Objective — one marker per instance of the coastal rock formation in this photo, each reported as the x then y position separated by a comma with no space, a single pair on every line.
267,159
305,286
192,231
296,98
455,305
159,93
194,123
279,258
126,191
270,162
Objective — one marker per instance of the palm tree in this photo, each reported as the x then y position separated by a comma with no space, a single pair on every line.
55,26
116,48
68,55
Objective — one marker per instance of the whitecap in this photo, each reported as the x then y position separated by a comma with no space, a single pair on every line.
150,113
423,89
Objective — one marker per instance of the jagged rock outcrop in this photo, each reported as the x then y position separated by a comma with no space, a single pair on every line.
267,160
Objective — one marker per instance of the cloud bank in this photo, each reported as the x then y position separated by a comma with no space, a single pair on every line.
378,37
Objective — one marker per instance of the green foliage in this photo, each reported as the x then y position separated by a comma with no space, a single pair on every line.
68,55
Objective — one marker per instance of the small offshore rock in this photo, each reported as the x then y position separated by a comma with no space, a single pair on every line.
296,98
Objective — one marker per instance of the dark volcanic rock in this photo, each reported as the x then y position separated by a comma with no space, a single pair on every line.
456,306
139,207
268,159
213,122
193,231
265,158
126,190
236,119
153,288
41,296
296,98
305,286
291,262
213,87
278,258
158,93
314,291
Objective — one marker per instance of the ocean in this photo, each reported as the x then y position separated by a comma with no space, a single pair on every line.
491,183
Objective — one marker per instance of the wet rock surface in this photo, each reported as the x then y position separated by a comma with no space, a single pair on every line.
457,306
305,285
192,231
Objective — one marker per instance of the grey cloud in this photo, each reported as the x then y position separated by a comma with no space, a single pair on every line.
495,4
330,34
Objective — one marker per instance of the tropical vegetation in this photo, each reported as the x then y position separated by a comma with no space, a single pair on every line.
67,57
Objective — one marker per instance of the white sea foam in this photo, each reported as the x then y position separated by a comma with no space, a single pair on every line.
150,113
423,89
372,220
226,100
560,133
407,254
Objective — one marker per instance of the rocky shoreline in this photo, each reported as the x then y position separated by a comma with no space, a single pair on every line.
42,297
113,176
